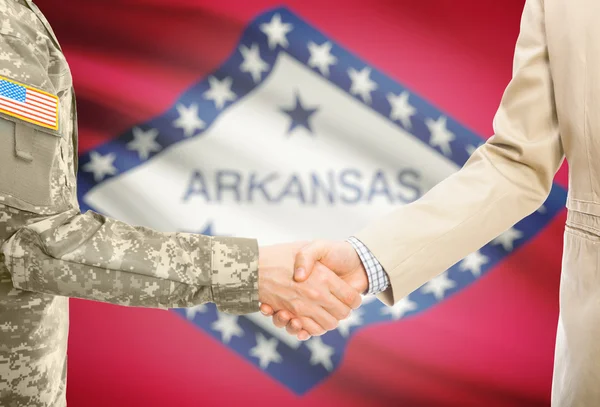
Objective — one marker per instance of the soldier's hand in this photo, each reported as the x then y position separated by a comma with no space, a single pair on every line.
317,304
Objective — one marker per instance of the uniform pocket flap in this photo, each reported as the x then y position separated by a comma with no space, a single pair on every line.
24,137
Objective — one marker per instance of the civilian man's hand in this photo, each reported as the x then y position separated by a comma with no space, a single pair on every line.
338,256
318,303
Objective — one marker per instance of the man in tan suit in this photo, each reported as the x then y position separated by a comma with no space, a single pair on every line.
551,108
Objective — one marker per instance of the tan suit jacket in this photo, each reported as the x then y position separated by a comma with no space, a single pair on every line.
550,109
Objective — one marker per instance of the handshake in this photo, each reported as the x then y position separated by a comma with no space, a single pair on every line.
309,287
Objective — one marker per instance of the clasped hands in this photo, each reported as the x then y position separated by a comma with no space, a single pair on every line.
309,287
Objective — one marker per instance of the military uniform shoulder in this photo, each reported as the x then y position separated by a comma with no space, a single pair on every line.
17,19
27,51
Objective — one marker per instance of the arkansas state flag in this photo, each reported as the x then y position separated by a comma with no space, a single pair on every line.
303,120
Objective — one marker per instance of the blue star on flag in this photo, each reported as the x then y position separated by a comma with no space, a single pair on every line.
300,115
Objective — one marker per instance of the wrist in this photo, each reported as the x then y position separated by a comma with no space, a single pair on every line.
274,272
276,269
358,276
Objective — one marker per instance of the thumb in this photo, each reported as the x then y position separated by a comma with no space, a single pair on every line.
306,259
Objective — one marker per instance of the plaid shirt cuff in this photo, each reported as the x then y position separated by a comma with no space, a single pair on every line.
378,278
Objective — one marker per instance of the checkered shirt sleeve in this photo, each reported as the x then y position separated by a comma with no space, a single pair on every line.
378,278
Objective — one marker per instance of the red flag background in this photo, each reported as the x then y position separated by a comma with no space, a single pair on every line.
490,345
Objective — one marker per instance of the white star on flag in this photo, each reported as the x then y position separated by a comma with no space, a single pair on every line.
473,263
101,165
253,63
507,239
220,91
367,299
401,109
345,325
144,142
362,85
438,286
228,327
470,149
320,57
320,353
265,351
400,308
190,313
276,31
188,119
440,135
542,209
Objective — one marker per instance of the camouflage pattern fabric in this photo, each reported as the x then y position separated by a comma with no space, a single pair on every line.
51,251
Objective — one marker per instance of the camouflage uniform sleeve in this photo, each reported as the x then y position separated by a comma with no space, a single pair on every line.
94,257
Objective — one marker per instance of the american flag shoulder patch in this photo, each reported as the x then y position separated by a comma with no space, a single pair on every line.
28,103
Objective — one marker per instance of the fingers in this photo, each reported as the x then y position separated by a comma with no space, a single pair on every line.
324,319
315,301
336,308
311,327
266,310
306,259
281,318
325,298
344,292
303,328
303,335
294,327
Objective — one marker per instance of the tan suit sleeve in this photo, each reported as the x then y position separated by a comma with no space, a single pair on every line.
505,179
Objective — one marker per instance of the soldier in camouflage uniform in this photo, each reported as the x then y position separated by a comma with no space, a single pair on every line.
51,251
